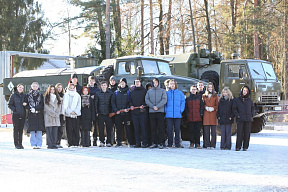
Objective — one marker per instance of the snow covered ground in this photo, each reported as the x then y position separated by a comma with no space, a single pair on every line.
264,167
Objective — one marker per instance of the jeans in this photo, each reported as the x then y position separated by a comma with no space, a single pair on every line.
108,122
173,124
36,138
243,134
207,130
225,136
51,136
194,131
18,126
157,122
140,124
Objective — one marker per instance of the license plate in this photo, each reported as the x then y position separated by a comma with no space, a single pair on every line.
277,108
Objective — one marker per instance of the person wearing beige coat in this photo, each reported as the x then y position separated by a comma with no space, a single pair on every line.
52,109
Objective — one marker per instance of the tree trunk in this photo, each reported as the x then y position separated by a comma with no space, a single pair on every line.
108,31
117,26
285,47
151,28
142,27
208,28
168,32
256,35
101,30
192,25
161,30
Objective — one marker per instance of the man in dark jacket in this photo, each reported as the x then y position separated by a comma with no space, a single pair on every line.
121,101
93,89
243,109
113,84
103,108
74,80
16,104
139,116
194,112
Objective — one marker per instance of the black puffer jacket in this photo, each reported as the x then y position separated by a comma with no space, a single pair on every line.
121,99
243,107
16,103
103,102
224,112
137,99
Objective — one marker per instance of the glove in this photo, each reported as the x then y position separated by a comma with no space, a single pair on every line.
207,108
32,110
211,109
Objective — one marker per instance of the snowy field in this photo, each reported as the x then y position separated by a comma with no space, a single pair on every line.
264,167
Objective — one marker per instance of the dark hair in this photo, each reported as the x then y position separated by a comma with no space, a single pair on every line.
20,85
86,88
213,90
104,82
92,77
48,93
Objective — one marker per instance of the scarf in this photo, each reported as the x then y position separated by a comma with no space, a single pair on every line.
85,100
33,103
52,97
226,97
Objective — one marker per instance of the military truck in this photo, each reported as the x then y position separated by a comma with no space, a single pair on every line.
259,75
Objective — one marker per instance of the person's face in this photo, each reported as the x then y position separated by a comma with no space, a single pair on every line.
112,82
200,86
137,83
172,85
72,88
167,84
104,87
59,88
193,90
52,90
92,82
122,84
74,81
155,83
85,91
210,88
34,86
20,89
225,93
245,91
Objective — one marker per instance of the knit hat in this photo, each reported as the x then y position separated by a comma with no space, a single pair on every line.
112,77
74,76
123,79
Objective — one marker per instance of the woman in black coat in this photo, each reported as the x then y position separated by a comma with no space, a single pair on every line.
17,105
225,117
35,104
243,109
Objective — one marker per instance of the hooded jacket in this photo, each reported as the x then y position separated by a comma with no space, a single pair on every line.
137,99
16,103
120,99
175,104
156,97
243,107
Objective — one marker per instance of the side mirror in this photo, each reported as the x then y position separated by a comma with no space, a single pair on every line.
241,73
139,72
127,67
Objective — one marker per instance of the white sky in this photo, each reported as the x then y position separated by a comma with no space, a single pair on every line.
55,11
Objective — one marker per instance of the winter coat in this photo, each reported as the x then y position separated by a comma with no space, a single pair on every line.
93,90
121,99
137,99
209,118
194,108
16,103
156,97
52,113
103,102
36,120
175,104
113,88
71,104
87,115
225,112
243,109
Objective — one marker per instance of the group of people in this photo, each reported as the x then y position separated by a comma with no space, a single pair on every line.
139,114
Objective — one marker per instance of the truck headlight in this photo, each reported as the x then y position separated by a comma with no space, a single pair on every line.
259,98
278,98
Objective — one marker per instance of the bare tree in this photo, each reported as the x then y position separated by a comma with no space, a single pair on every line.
108,31
168,30
208,28
161,28
192,25
151,28
256,35
285,47
142,27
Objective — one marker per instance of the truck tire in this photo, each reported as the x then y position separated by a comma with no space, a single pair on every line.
211,76
258,124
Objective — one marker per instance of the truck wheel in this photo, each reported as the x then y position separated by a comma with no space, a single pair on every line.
258,124
211,76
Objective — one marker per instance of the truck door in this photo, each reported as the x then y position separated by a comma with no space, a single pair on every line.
236,77
126,69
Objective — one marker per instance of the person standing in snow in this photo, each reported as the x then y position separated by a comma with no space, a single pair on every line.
225,118
243,109
60,91
17,105
210,99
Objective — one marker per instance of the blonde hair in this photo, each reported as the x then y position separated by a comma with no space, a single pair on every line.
230,96
173,80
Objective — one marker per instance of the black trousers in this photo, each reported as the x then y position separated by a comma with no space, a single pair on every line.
157,122
140,124
60,130
18,124
105,119
85,138
119,120
243,134
95,131
207,130
194,131
72,129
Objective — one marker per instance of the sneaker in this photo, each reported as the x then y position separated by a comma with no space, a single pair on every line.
237,149
137,146
179,146
118,145
59,146
161,146
153,146
169,146
95,143
144,146
108,145
101,144
212,148
17,147
198,146
34,147
244,149
191,146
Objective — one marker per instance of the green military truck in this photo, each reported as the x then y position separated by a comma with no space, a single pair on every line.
259,75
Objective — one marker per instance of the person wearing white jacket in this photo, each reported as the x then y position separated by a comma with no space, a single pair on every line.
71,108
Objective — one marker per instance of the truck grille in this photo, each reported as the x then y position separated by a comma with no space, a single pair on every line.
269,98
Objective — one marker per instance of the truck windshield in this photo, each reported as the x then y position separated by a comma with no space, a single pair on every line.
150,67
261,70
164,68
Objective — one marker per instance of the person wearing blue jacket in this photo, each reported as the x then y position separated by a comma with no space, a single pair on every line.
174,107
